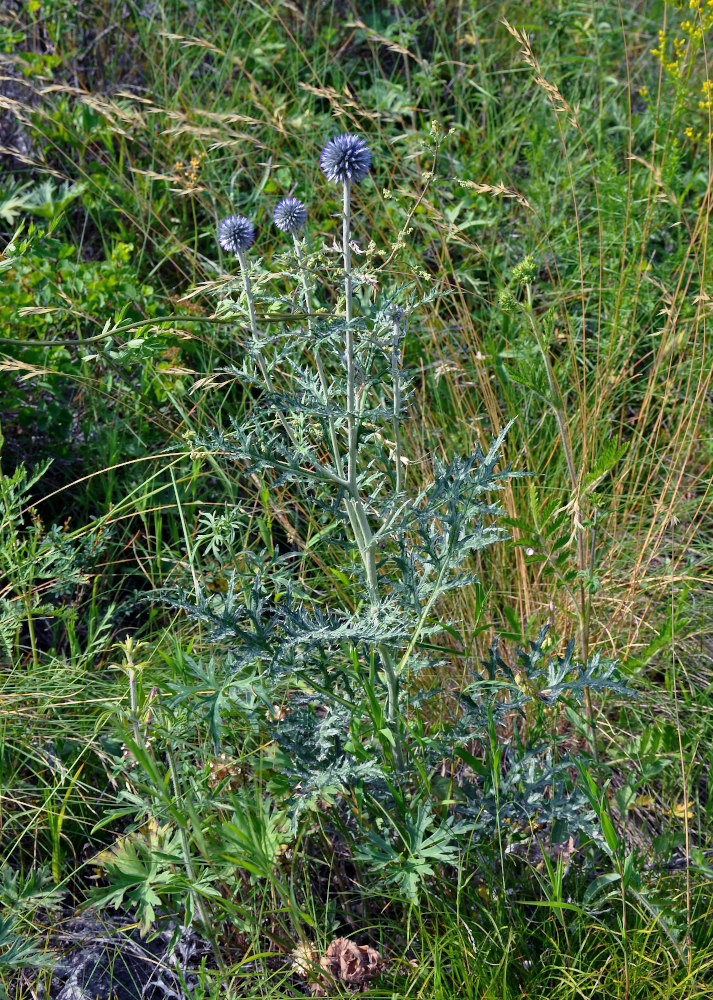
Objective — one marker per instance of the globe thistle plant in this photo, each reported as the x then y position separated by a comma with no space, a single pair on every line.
327,435
290,215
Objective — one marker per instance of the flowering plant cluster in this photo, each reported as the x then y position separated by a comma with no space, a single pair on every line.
331,668
681,55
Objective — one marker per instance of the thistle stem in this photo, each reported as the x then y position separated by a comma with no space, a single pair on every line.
396,419
259,357
307,295
267,379
348,307
355,508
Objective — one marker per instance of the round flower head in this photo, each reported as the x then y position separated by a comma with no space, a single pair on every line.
236,233
290,215
345,159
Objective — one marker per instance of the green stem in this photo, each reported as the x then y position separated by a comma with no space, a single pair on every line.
352,429
133,702
355,508
262,366
557,402
396,419
336,455
190,550
188,863
392,705
624,931
422,620
259,356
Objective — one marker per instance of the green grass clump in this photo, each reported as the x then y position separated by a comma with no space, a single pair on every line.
573,190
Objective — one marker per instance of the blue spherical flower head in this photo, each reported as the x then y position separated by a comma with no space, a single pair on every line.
345,159
290,215
236,234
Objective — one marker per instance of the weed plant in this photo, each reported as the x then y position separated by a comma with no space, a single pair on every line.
354,719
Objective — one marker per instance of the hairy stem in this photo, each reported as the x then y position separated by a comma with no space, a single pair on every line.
396,419
355,508
307,296
259,357
352,429
262,366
